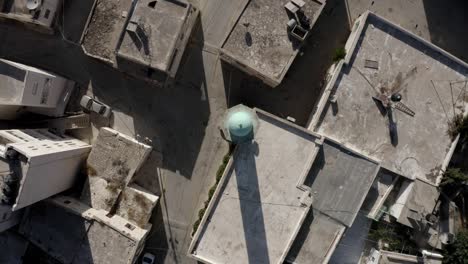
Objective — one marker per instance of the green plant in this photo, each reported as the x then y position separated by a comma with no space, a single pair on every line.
222,167
201,213
396,236
340,53
458,251
219,175
458,125
211,192
195,226
453,177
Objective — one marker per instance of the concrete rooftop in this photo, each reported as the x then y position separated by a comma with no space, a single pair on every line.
339,182
162,25
415,200
433,85
316,239
74,233
260,39
111,164
258,208
11,83
105,27
45,15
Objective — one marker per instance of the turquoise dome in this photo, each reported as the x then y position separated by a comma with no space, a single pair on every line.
240,124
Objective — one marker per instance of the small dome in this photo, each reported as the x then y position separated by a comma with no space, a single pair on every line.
240,124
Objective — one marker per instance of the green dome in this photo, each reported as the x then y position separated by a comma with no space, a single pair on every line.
240,124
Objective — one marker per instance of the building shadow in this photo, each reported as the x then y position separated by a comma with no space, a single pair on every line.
157,242
304,82
301,237
72,23
447,25
251,202
173,118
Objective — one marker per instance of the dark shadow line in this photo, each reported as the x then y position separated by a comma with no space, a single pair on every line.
252,213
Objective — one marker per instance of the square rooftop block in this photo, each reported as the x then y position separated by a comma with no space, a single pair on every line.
156,35
112,163
260,44
432,84
258,208
136,205
415,200
316,240
104,29
339,182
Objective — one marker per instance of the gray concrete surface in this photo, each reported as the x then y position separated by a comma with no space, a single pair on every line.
431,84
339,182
111,165
422,201
260,207
153,42
12,79
303,84
136,205
58,232
352,245
42,19
193,149
74,233
378,193
105,27
316,239
217,20
260,40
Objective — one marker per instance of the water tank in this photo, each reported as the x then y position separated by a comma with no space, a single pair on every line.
33,4
240,123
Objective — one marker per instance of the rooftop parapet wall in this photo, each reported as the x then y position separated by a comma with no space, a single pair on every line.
112,163
74,233
427,76
260,43
250,193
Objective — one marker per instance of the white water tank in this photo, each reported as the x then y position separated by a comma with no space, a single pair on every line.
33,4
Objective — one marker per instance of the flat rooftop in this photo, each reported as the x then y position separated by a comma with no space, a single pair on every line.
339,182
260,39
45,15
258,208
316,239
74,233
384,57
160,24
105,27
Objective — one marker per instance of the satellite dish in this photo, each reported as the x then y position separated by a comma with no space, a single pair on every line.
33,4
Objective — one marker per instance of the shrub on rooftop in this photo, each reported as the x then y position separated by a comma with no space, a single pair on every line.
340,53
458,251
